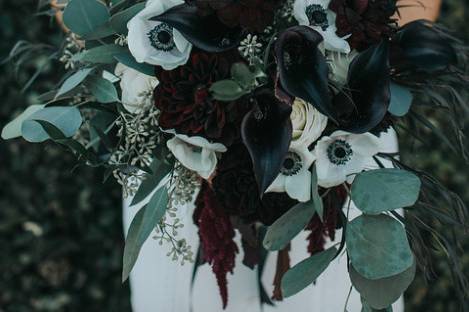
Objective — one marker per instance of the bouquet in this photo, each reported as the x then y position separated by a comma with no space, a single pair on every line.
268,115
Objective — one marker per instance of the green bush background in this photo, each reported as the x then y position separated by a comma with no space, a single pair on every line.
60,229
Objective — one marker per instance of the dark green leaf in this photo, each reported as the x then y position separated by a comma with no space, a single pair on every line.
102,31
282,231
227,90
241,73
306,272
378,246
316,198
128,60
84,16
104,54
141,227
119,20
151,181
381,190
381,293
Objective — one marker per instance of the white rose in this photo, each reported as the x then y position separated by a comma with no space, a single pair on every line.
195,153
137,88
154,42
308,124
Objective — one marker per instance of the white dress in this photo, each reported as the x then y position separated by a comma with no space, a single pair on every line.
160,285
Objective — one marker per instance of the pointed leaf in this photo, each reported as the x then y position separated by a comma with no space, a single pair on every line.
306,272
204,32
13,128
303,71
282,231
266,132
377,246
141,227
73,81
160,170
104,54
128,60
103,90
317,200
364,103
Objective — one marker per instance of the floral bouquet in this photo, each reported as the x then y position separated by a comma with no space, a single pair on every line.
269,115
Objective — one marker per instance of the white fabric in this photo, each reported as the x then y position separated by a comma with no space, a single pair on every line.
161,285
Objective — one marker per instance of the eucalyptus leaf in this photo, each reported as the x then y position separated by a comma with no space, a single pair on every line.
73,81
128,60
381,293
119,20
160,170
377,246
282,231
104,54
103,90
306,272
13,128
366,307
380,190
317,200
102,31
84,16
141,227
241,73
67,119
227,90
401,99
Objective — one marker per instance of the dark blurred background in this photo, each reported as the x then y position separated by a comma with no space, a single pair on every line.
60,230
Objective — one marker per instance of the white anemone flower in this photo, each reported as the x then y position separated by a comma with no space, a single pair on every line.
137,88
157,43
316,14
342,155
295,178
195,153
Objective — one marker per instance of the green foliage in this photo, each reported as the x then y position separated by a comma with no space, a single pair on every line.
401,99
103,90
74,81
85,16
377,191
377,246
119,21
141,227
306,272
289,225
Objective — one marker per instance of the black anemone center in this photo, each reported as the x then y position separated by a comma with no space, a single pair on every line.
161,37
292,164
317,16
339,152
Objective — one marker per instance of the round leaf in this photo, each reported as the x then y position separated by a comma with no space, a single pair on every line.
103,90
67,119
401,99
306,272
381,293
226,90
84,16
378,246
376,191
288,226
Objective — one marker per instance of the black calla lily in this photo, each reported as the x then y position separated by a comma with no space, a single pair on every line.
302,68
205,32
419,45
266,131
364,102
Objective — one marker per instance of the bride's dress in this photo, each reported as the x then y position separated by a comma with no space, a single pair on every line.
160,285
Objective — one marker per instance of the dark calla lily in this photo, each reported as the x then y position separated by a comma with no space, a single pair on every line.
266,131
420,46
364,102
302,68
205,32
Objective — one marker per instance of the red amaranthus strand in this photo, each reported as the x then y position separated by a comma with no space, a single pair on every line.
333,203
216,237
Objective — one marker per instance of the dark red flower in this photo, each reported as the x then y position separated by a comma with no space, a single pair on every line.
366,21
186,104
216,237
252,15
236,189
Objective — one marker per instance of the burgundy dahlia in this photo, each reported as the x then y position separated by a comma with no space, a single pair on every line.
366,21
185,102
252,15
236,189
